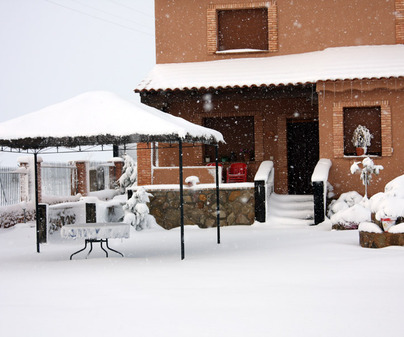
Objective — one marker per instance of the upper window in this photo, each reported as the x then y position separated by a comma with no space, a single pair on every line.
370,117
242,27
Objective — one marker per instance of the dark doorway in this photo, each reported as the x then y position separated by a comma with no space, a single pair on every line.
303,154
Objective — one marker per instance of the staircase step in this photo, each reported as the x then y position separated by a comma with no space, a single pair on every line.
290,209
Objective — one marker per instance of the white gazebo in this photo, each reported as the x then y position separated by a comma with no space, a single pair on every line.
102,118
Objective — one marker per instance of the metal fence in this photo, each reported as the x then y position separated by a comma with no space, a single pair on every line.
9,186
58,179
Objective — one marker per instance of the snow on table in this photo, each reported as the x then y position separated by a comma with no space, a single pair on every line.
96,231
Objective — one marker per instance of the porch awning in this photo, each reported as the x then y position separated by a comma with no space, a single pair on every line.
343,63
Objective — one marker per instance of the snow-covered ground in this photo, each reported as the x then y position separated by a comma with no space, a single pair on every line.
263,280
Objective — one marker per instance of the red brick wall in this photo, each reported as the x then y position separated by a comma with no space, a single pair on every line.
144,173
82,182
399,21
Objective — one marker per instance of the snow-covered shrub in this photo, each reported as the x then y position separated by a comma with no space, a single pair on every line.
19,213
129,175
395,188
366,172
351,217
390,203
136,210
349,208
345,201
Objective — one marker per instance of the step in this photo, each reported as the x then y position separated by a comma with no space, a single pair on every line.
290,209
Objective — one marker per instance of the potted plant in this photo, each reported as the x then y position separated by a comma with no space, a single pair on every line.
361,139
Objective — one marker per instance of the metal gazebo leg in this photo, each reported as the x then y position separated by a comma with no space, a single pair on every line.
181,201
217,193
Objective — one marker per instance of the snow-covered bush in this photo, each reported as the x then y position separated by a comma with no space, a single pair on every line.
136,210
362,137
351,217
345,201
351,209
19,213
390,203
129,175
366,172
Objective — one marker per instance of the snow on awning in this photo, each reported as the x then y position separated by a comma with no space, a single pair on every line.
99,118
343,63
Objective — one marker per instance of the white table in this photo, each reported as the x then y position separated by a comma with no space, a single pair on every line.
96,232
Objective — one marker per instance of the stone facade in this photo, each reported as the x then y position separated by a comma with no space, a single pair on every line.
237,207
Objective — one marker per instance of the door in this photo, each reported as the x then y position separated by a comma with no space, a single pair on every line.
303,154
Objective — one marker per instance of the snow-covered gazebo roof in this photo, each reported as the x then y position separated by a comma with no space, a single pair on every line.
342,63
99,118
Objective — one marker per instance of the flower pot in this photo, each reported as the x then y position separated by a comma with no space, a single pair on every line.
360,151
388,222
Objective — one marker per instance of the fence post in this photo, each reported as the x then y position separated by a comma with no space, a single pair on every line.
42,223
91,215
318,195
259,194
27,180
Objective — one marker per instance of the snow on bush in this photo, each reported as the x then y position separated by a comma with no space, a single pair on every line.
345,201
352,216
19,213
136,210
366,172
129,175
352,208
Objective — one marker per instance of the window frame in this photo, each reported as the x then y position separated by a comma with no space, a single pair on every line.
212,25
338,126
357,114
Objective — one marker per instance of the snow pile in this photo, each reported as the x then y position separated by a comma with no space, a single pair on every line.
192,181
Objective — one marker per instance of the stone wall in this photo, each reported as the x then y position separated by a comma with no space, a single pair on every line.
237,206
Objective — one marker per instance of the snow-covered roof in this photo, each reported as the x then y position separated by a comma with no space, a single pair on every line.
96,118
343,63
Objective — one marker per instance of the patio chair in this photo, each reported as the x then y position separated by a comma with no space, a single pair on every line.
237,173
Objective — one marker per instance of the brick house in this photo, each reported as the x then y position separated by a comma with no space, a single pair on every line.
282,81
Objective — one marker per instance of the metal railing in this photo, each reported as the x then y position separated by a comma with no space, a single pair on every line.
263,188
319,181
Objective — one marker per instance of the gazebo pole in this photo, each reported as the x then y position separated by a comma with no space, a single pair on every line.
217,192
36,202
181,200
